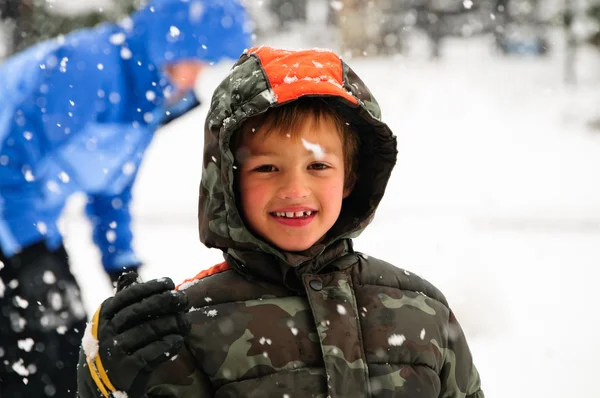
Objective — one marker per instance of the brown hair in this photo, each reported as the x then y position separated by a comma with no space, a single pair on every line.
284,119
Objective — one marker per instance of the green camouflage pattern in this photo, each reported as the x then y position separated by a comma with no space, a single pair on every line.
366,329
326,323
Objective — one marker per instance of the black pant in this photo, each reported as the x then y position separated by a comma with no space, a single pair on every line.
42,321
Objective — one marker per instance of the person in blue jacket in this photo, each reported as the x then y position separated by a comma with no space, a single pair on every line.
77,114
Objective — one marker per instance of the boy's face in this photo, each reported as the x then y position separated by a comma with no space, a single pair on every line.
292,189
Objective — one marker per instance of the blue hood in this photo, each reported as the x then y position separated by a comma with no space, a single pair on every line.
174,30
78,113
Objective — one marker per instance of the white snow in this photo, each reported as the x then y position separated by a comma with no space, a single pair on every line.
125,53
263,340
269,95
21,302
117,39
25,344
495,199
89,343
111,236
211,313
396,340
186,285
20,369
315,148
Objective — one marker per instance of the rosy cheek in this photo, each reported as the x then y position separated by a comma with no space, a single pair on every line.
334,189
254,196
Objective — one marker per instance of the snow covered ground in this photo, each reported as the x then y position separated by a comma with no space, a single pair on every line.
495,199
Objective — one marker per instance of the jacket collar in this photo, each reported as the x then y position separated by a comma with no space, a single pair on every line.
254,263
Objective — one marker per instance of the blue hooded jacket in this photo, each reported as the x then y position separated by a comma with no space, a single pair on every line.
77,114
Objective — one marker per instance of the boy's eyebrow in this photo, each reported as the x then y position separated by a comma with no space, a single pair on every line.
263,153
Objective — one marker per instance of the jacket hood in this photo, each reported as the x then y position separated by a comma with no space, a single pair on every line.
264,78
173,30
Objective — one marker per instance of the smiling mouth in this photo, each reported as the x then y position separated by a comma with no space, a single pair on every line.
294,214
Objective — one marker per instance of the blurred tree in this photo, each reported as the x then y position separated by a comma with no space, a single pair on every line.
9,13
571,42
359,24
594,13
34,20
289,11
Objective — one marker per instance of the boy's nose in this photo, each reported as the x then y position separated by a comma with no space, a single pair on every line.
294,186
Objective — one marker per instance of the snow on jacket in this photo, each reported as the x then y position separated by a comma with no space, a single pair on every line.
326,322
77,114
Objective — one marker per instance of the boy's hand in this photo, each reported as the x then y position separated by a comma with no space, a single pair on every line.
132,333
114,275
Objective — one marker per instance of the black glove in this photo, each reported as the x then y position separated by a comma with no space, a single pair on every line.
138,329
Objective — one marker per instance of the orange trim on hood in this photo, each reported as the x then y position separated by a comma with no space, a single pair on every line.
293,74
215,269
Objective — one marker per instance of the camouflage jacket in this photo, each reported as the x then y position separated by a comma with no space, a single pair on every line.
360,328
326,322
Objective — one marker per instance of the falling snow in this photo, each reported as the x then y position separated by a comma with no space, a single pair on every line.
21,302
117,39
337,5
28,174
48,277
196,11
174,31
26,344
19,368
42,227
125,53
264,340
129,168
111,236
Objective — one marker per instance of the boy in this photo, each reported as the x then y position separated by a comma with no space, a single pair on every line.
296,161
77,115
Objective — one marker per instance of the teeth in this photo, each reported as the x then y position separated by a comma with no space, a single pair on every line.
291,214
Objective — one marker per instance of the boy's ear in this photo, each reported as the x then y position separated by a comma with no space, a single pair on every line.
348,190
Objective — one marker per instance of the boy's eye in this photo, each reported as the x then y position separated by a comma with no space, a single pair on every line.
265,168
318,166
